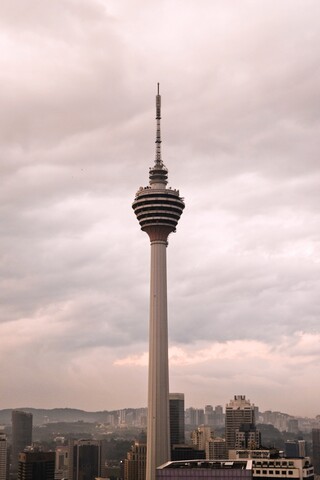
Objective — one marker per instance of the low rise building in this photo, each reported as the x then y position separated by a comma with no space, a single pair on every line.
205,469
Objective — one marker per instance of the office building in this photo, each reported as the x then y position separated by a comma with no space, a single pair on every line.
239,412
84,459
158,210
3,457
176,408
295,448
135,463
316,450
21,434
205,469
36,466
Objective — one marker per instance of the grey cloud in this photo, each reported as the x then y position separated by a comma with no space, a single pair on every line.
241,141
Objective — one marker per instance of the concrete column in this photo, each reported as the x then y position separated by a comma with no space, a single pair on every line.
158,436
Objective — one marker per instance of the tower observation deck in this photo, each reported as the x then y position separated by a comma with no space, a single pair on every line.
158,210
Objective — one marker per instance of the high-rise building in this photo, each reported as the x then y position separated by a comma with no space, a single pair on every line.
135,463
21,434
316,450
239,411
36,466
158,210
295,448
3,456
84,459
176,404
205,469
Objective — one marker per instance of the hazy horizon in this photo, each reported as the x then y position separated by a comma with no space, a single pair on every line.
240,129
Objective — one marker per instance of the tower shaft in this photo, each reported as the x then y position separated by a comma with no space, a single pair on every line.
158,436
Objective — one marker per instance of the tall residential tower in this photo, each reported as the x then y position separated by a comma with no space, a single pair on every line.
158,210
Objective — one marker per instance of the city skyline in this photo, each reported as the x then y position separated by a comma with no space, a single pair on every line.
241,139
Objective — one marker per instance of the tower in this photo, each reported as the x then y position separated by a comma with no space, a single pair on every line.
239,411
21,434
158,210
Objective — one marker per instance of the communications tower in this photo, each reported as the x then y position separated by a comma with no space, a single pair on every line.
158,210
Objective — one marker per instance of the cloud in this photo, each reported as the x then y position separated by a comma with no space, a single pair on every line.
240,138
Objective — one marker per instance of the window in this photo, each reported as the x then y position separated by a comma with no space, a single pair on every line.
264,472
277,472
290,472
258,471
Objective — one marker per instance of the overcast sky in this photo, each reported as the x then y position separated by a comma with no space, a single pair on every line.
241,136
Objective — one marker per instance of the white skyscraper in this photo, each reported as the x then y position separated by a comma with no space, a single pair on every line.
158,210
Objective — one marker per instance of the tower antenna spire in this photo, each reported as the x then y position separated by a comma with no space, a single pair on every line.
158,134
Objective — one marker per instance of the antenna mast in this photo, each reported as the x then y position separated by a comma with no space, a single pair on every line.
158,135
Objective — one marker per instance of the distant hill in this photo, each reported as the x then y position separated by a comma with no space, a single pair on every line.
41,416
